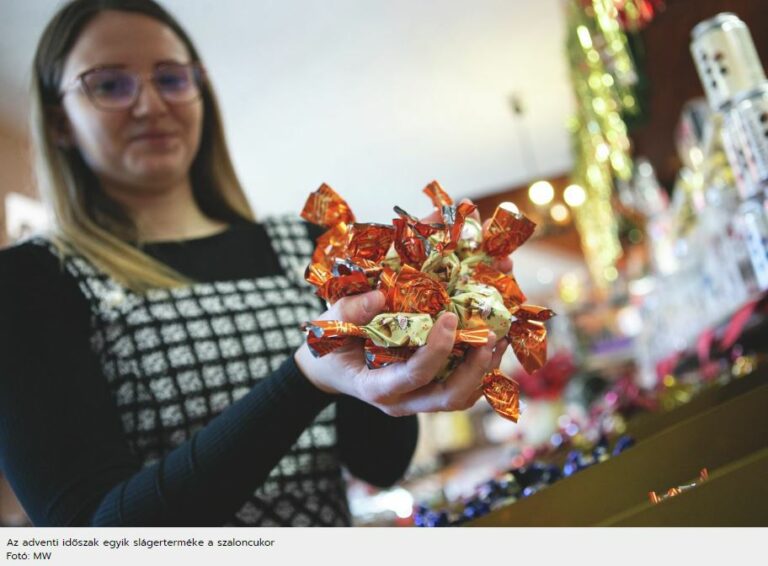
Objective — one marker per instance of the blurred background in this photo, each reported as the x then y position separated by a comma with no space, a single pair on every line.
644,173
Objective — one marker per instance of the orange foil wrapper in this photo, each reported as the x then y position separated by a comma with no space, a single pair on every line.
529,342
345,267
437,195
369,241
503,283
503,394
325,336
387,280
326,208
378,357
534,313
331,244
410,246
506,232
673,491
331,288
415,291
454,221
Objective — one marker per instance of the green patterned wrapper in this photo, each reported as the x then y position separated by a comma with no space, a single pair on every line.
393,330
480,305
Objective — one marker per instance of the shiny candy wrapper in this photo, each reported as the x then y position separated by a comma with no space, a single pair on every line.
424,269
673,491
401,333
503,394
506,232
480,305
326,208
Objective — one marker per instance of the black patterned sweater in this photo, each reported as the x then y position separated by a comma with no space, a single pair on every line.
184,406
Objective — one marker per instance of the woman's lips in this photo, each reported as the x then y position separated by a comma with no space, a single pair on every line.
155,138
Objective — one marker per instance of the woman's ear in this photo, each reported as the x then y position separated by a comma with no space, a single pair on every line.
60,128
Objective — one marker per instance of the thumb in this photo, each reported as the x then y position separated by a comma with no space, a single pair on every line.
357,309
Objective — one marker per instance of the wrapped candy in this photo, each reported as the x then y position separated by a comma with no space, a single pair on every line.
480,305
424,269
673,491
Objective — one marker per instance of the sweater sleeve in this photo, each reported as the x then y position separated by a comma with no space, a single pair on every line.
62,447
374,447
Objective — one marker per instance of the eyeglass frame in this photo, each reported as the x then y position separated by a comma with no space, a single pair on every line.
198,72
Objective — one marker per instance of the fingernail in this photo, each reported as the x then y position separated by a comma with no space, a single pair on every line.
373,302
492,339
449,321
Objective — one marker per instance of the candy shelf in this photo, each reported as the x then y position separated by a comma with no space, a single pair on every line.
715,437
647,424
733,496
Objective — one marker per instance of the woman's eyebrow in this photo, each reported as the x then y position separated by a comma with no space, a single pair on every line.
173,62
103,66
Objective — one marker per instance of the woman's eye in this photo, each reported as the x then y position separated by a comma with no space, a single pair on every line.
110,85
171,80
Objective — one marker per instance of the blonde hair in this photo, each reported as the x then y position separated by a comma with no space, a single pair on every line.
87,221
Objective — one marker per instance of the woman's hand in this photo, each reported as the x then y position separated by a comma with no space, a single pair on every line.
408,387
402,388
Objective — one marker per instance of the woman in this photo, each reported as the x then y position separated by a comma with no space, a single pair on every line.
151,367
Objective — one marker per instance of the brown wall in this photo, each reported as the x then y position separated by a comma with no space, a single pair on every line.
15,170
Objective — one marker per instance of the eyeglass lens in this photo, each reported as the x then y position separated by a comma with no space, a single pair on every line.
118,88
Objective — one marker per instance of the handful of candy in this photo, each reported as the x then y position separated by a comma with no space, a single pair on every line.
424,269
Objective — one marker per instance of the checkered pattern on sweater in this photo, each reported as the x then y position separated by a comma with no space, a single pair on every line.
176,358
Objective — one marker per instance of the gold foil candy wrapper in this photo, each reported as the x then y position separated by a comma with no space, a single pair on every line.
470,240
503,394
379,356
445,268
394,330
480,306
506,232
387,330
326,208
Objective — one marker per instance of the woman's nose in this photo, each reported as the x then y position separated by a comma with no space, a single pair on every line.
149,101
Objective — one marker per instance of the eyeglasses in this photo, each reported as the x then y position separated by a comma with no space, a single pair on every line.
112,88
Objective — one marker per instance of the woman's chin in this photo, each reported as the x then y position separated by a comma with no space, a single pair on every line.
159,173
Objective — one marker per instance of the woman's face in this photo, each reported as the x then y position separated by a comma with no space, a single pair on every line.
149,146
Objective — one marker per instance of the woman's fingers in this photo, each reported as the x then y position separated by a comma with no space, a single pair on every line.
458,392
475,213
460,387
498,353
357,309
503,264
435,216
383,385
